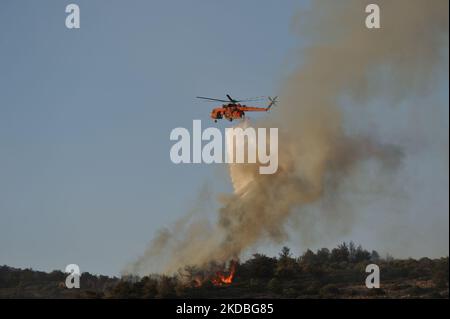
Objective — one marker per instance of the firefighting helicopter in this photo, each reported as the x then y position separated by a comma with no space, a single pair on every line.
234,110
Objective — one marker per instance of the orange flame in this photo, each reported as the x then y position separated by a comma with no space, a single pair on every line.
222,279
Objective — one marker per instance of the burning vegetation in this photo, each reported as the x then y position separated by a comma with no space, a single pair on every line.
222,278
217,275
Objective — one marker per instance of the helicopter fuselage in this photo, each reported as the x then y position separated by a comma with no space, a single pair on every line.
233,111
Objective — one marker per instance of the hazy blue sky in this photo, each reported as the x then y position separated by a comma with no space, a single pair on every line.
85,117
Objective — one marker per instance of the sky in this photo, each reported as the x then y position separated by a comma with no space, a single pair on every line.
85,118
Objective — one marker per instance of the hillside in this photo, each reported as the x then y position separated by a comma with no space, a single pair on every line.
339,273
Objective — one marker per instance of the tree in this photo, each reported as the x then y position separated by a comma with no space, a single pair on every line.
150,287
260,266
166,287
308,258
374,256
285,253
341,253
323,255
352,250
361,254
309,263
122,290
286,266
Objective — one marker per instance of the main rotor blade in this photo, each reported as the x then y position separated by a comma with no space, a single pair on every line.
254,99
210,99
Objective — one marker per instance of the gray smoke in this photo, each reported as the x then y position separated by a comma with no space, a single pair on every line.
325,166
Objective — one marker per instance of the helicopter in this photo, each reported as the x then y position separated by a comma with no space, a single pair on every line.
234,110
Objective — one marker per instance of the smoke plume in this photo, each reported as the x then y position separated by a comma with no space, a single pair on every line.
320,158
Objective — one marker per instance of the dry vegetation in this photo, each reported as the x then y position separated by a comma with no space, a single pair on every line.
339,273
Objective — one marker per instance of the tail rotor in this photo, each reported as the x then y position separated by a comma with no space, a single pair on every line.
272,101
